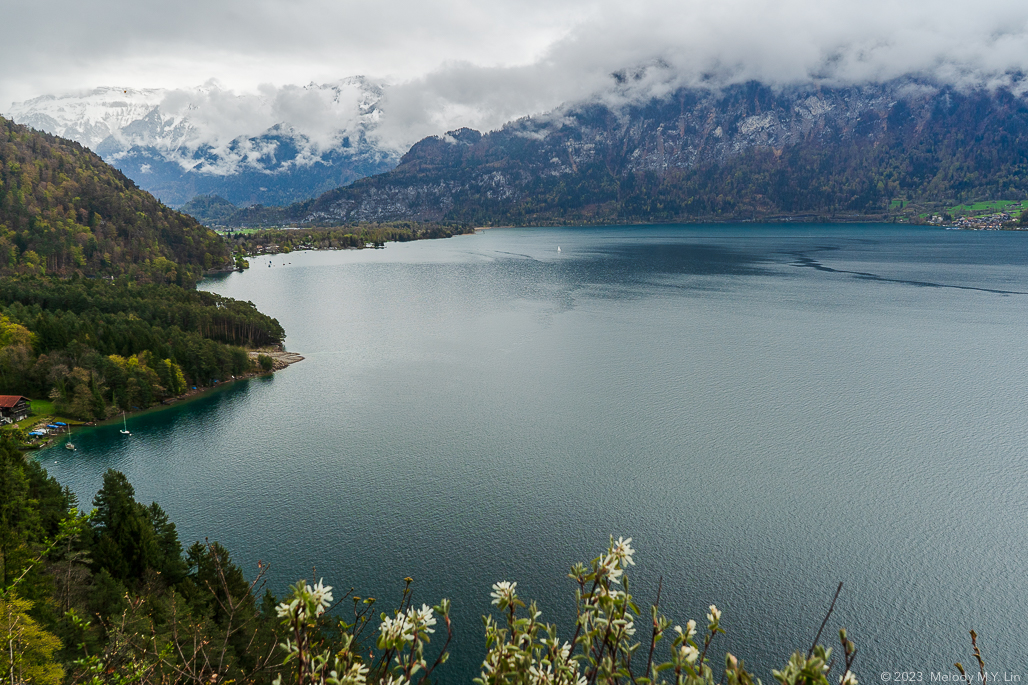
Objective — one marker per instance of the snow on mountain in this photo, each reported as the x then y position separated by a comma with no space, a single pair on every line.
89,118
274,146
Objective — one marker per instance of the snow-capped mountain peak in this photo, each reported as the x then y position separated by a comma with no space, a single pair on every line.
181,141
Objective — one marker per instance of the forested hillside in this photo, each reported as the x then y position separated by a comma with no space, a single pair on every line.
97,347
63,211
98,310
744,152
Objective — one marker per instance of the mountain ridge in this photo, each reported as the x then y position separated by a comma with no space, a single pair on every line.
743,152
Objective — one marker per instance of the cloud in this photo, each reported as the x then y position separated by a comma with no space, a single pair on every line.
451,63
655,46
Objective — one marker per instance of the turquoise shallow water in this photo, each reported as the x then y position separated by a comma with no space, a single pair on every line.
766,410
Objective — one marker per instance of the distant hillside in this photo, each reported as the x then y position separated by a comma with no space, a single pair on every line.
210,210
744,152
63,211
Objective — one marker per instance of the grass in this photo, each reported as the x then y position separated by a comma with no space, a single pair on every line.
41,407
987,207
237,231
41,411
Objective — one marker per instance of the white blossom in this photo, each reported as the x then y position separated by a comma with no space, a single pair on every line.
322,596
398,628
848,678
403,626
503,591
622,551
539,675
715,614
609,567
286,608
424,616
356,675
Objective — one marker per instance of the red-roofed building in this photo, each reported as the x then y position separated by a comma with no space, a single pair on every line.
13,408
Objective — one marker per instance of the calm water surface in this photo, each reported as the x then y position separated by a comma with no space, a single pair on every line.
765,410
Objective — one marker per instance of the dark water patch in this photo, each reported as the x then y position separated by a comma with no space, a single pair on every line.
804,261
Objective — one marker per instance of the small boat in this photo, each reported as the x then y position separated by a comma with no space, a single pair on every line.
69,445
558,248
124,425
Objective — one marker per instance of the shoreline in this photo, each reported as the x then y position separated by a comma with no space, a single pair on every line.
282,360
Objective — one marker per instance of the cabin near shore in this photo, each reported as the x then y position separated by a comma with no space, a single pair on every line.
13,408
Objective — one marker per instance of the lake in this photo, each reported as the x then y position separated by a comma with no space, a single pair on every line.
766,410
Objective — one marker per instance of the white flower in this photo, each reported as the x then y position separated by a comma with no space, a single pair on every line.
715,614
356,675
286,608
398,628
423,618
848,678
404,626
322,596
503,593
690,630
609,567
539,675
689,653
622,551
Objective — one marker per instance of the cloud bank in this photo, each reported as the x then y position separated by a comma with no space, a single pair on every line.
451,63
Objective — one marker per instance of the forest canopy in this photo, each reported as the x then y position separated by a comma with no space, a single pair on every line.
63,211
96,347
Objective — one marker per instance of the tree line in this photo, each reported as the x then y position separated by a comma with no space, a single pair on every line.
97,347
340,237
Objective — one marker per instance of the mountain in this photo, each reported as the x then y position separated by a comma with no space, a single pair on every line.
273,147
64,211
742,152
210,210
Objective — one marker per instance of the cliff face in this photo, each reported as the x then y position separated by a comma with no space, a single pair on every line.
743,152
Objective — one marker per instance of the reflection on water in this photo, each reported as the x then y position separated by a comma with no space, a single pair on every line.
766,410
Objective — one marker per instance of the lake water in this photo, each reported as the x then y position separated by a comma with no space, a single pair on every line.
766,410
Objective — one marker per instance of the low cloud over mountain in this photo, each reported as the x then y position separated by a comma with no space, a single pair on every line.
274,146
452,63
437,65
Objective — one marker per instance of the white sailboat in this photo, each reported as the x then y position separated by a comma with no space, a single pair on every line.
69,445
124,425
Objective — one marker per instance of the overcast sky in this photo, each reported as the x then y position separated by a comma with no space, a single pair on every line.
481,62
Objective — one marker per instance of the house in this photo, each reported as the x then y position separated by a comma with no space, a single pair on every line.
13,408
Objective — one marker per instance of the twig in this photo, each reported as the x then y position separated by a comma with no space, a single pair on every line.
825,622
439,659
653,637
978,654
